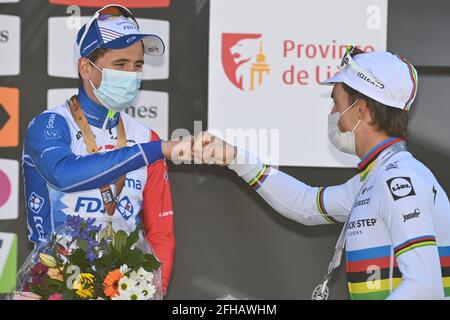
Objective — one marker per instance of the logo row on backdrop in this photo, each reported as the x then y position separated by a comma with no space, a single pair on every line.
101,3
61,36
151,108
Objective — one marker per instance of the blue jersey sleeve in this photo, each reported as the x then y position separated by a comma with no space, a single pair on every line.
47,146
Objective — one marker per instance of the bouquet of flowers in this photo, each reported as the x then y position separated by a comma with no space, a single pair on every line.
87,260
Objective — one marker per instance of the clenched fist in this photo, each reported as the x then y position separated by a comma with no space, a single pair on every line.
179,151
213,150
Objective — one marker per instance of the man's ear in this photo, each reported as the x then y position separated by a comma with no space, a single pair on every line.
363,111
84,68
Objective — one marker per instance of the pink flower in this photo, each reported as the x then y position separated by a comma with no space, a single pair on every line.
55,296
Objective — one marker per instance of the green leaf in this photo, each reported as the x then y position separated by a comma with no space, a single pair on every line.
151,263
134,258
133,237
39,291
120,240
53,284
82,244
116,255
68,294
78,258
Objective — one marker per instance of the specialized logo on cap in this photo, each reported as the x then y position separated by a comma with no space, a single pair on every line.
244,60
375,83
35,203
401,187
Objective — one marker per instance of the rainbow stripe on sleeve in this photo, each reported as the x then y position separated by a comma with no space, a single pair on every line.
321,207
414,243
257,181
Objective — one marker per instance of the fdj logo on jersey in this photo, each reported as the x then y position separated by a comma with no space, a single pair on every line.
95,205
88,205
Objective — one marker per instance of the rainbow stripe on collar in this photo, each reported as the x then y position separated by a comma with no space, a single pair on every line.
368,161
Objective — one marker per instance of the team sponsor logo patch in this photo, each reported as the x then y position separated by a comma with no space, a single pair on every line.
412,215
362,223
391,166
52,134
362,202
125,208
400,187
35,203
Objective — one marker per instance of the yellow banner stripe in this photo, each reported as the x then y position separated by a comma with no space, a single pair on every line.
373,286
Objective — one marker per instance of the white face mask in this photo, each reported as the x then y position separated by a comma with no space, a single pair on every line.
118,88
343,141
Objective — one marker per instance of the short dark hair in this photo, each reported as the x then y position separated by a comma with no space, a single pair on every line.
93,56
97,54
392,121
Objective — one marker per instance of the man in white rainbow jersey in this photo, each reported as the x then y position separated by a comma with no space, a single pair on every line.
397,216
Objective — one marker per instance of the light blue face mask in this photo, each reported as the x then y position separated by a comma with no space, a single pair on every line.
118,88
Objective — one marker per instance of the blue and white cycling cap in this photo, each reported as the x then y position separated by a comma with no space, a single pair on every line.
114,27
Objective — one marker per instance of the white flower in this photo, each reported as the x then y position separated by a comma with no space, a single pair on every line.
141,276
136,295
126,285
146,275
135,276
124,269
148,292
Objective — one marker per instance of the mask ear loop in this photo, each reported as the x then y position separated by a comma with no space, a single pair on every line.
95,66
101,71
351,106
359,120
